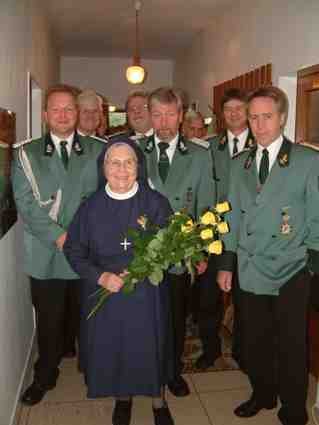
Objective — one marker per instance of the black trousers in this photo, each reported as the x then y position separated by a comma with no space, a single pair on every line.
210,311
275,346
49,300
237,336
179,293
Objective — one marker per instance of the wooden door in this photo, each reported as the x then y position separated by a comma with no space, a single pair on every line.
307,120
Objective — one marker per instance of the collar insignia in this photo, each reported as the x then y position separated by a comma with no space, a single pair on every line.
181,146
250,158
49,147
76,145
284,154
150,145
222,142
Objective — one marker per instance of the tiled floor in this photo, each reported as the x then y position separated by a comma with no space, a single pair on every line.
211,402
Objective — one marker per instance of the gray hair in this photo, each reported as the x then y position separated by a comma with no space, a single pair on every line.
167,96
88,97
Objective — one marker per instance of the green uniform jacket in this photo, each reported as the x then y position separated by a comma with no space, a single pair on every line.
222,160
189,183
274,230
42,259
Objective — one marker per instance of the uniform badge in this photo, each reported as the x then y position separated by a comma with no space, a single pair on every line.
222,143
77,147
182,147
283,160
150,145
285,227
49,149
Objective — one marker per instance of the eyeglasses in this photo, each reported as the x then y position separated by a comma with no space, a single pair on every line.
128,164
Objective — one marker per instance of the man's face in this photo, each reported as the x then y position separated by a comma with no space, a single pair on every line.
194,128
138,114
166,119
265,120
235,115
89,118
61,114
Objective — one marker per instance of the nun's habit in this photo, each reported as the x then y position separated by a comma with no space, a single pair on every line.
126,346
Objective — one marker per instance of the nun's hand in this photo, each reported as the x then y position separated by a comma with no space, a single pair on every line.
110,281
224,280
201,267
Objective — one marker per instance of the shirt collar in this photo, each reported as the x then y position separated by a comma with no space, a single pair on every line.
149,133
56,141
171,146
273,148
242,137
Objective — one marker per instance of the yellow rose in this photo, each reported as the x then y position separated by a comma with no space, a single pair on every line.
208,218
222,207
206,234
188,227
215,247
222,227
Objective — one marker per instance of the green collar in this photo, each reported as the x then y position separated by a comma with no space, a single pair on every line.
181,145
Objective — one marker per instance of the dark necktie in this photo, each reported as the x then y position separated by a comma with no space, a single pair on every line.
235,148
163,163
64,153
264,167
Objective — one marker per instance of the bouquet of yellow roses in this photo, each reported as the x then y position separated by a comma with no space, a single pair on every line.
182,241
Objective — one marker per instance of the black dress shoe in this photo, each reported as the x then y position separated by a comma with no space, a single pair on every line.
35,393
203,362
162,416
252,407
179,387
122,412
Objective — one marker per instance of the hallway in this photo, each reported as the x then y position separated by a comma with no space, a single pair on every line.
213,398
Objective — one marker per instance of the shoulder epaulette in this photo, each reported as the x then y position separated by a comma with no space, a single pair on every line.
200,142
239,153
100,139
4,145
119,133
24,142
308,145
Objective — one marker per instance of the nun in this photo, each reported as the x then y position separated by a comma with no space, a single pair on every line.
127,344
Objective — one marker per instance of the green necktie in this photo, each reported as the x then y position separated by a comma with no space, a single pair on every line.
264,167
235,148
163,163
64,153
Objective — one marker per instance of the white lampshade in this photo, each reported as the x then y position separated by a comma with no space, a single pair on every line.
135,74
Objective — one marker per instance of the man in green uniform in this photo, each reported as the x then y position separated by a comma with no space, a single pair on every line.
51,176
181,171
274,194
234,139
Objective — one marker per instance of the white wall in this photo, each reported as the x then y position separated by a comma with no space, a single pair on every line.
25,44
107,75
246,35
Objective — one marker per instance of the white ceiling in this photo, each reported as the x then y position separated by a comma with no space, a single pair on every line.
107,27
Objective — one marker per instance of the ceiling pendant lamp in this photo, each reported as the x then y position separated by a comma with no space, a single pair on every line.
135,74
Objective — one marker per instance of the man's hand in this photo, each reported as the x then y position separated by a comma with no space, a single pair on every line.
224,280
110,281
60,241
201,267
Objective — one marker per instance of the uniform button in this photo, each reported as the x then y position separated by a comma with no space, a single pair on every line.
177,199
249,233
250,255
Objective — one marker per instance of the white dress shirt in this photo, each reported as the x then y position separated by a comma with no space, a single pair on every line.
241,141
171,147
56,141
273,150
